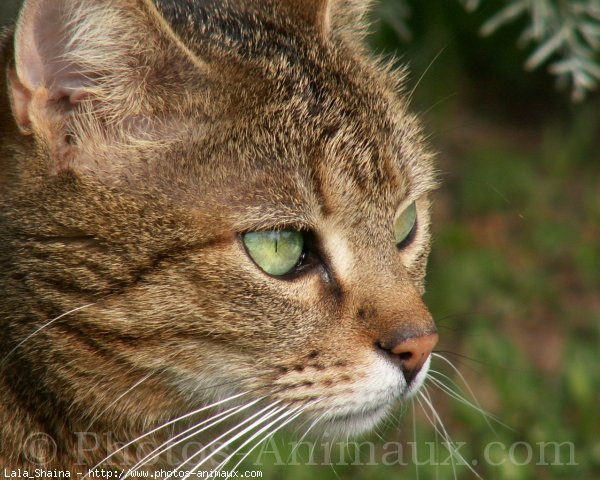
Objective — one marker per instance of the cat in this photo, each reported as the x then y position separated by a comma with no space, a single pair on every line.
206,206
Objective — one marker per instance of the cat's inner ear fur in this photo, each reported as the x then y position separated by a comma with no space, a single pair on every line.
85,72
325,15
315,13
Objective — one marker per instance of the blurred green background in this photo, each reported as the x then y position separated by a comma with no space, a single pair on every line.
514,275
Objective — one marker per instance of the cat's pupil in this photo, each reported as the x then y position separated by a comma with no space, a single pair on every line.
277,253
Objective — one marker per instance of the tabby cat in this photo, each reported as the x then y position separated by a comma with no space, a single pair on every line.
210,210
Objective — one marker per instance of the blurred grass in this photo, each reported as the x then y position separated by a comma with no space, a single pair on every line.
514,277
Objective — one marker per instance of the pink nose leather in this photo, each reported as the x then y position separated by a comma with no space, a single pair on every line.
413,352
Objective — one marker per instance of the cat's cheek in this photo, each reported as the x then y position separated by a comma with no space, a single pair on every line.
361,397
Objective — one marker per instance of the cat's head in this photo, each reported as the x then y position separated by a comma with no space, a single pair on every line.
227,197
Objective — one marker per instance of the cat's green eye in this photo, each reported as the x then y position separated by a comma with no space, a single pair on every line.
405,225
278,252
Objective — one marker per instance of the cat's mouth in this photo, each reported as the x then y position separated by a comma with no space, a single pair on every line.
356,421
417,382
360,415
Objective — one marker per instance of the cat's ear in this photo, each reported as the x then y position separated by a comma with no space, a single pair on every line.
316,13
327,15
94,61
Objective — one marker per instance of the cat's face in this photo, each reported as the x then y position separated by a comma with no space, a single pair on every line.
156,200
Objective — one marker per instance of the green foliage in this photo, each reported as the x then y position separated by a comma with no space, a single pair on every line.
568,31
565,35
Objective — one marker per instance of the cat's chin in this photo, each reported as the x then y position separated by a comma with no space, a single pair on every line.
355,420
355,423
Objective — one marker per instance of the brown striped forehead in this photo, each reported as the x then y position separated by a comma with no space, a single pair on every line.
295,177
321,132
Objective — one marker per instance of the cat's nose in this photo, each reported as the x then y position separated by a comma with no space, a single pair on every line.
411,353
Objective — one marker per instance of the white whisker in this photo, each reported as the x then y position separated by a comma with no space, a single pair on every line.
116,400
437,426
312,425
170,422
47,324
461,399
457,371
274,411
425,396
476,405
252,437
189,433
414,422
247,441
295,413
414,89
